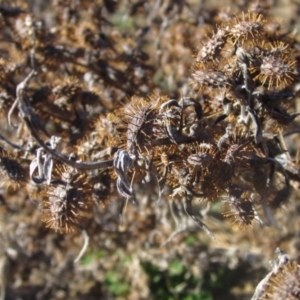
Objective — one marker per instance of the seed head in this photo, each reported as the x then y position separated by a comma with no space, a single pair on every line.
210,77
239,209
14,174
250,25
276,71
285,283
202,156
137,123
68,200
211,50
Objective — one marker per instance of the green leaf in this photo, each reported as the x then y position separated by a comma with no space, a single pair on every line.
87,259
176,268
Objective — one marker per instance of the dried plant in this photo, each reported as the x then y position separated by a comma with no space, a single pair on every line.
92,117
206,157
283,282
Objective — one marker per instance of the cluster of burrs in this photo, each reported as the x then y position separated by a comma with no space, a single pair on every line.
220,145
